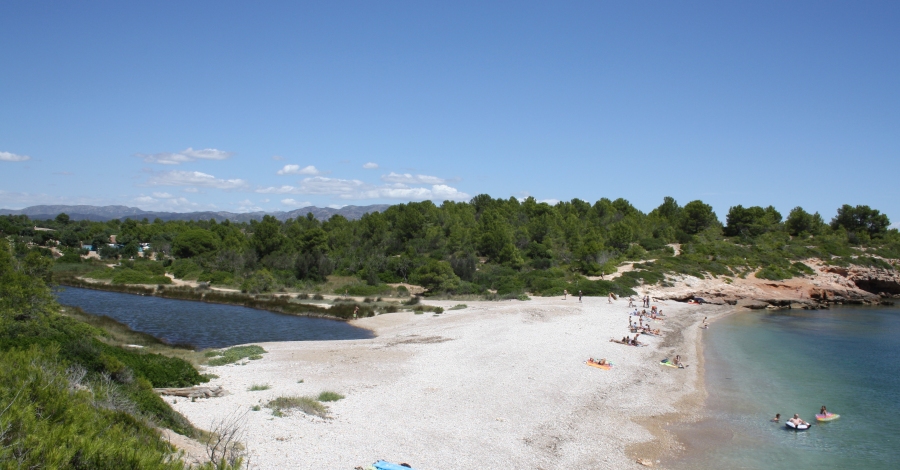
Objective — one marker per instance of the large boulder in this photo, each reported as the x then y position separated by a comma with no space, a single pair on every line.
751,304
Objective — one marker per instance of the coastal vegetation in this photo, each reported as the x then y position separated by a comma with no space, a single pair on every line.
308,405
235,354
487,248
70,396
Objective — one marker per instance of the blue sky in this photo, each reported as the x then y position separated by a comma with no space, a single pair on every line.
263,105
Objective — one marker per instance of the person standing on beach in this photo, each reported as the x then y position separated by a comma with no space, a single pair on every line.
565,294
579,296
355,312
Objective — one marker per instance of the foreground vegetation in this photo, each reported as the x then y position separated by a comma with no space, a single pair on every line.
487,248
68,397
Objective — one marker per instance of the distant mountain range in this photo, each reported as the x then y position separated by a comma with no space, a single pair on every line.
104,213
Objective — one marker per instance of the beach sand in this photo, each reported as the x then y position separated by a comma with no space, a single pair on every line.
496,385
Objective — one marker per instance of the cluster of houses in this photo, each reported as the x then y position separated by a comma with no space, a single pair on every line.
90,248
113,244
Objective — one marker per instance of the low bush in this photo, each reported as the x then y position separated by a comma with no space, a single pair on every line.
363,290
259,387
308,405
330,396
132,276
232,355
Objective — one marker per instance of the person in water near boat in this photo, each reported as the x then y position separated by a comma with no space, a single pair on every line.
777,418
796,421
823,411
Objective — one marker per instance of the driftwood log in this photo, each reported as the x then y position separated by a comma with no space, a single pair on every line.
192,392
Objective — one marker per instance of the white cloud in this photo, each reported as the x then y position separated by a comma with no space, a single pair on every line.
248,206
279,190
337,206
407,178
317,185
187,155
440,192
194,178
11,157
356,189
552,202
295,203
370,166
332,186
168,202
17,200
296,170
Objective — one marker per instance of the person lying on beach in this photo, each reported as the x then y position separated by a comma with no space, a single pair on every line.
601,361
777,418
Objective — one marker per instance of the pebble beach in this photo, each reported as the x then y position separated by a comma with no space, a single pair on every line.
494,385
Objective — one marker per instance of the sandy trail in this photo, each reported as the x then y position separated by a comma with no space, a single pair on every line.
497,385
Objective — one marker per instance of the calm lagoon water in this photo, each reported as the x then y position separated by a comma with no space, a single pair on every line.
205,325
795,361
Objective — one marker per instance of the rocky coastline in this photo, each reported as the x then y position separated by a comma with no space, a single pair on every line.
829,285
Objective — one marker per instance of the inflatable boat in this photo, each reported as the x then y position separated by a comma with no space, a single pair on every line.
797,427
827,417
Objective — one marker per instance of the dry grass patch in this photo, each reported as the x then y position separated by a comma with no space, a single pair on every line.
308,405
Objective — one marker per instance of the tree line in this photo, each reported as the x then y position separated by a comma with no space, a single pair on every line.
485,246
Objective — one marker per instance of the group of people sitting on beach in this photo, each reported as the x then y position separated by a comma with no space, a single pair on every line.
645,329
629,341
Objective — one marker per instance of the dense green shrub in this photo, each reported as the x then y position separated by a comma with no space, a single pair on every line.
49,424
362,290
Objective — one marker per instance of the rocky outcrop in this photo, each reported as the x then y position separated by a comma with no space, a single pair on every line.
878,281
751,304
829,285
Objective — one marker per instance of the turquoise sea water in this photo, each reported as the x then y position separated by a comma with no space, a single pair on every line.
795,361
